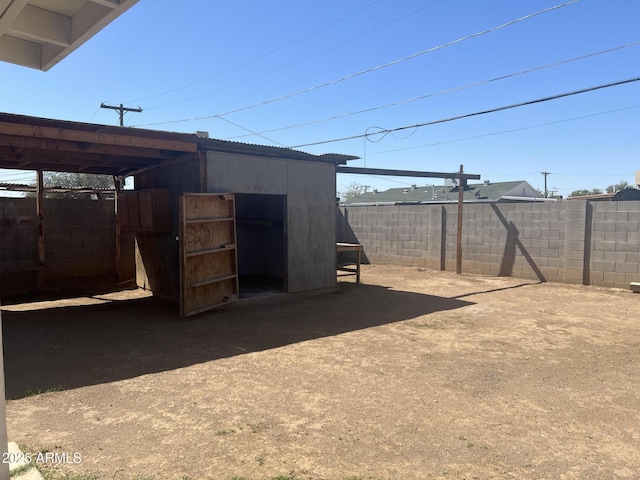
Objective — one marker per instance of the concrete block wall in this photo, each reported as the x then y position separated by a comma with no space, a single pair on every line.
592,243
19,234
614,240
79,238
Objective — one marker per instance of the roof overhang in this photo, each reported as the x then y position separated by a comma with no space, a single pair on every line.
40,33
32,143
29,143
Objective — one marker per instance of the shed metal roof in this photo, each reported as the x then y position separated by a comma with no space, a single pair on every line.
40,33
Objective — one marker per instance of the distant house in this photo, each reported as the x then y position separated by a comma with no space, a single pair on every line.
479,192
626,194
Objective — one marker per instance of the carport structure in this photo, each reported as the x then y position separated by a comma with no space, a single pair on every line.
38,144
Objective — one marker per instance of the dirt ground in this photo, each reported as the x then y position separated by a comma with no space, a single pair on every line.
416,374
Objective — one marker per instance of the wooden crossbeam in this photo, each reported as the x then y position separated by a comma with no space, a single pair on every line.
405,173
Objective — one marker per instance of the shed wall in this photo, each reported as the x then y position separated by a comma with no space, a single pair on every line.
311,213
157,254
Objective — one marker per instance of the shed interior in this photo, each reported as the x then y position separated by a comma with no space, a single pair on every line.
262,247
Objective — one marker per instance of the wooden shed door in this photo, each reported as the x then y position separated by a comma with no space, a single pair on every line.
208,260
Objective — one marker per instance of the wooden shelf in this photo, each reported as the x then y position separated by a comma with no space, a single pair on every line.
209,220
230,246
209,281
227,300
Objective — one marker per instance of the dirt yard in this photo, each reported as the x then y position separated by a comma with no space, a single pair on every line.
416,374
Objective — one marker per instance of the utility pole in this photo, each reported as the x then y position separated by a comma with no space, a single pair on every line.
546,192
121,111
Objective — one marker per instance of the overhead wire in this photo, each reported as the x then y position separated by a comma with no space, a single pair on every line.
260,57
372,69
528,127
443,92
254,133
478,113
308,57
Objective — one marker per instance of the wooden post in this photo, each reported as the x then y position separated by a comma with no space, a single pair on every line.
39,212
462,183
117,187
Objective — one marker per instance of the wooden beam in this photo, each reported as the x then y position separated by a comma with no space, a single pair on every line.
462,183
40,213
83,147
185,157
126,140
117,184
405,173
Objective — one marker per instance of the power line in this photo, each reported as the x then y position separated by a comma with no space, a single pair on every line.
252,132
297,61
259,57
370,70
442,92
482,112
505,131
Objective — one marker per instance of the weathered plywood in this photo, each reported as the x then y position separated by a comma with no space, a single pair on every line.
207,235
211,266
208,259
202,298
208,206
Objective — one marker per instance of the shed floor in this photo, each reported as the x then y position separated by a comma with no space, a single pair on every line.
253,286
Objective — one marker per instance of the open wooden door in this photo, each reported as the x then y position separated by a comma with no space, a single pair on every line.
208,258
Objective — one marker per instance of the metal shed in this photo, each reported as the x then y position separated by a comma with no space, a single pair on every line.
214,220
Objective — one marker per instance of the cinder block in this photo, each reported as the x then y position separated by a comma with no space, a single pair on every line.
605,246
626,247
627,226
615,278
627,267
574,235
615,256
633,257
614,236
604,266
616,216
572,276
573,264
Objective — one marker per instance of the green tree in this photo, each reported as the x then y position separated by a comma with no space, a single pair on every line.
617,187
352,190
583,192
75,181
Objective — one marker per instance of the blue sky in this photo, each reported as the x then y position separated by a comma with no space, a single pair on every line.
188,64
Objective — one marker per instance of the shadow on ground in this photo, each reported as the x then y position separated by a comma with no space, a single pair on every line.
74,346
